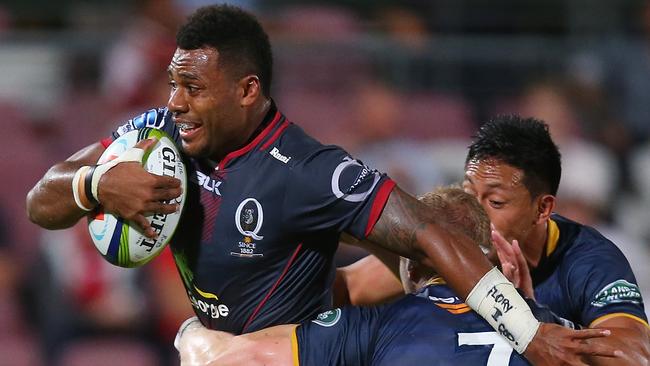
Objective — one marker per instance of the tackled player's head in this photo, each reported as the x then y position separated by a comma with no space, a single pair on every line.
523,143
242,43
513,168
462,214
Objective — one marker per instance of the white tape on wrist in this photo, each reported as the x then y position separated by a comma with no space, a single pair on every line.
78,191
497,300
186,324
131,155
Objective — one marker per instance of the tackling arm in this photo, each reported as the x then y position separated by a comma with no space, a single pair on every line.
199,346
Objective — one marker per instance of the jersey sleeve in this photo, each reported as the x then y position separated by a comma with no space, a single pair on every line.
329,190
158,118
337,337
602,283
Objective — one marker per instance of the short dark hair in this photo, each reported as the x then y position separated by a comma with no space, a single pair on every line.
524,143
242,43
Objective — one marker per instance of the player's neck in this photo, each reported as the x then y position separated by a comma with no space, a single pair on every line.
535,246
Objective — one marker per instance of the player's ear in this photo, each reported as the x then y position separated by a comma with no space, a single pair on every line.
250,89
545,207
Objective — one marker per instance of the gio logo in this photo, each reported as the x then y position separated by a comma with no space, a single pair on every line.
248,219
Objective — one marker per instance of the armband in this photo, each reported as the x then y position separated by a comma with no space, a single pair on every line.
85,182
498,302
81,188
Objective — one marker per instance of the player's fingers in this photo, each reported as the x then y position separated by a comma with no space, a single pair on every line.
591,333
144,224
146,144
521,260
167,194
502,248
166,182
598,349
161,207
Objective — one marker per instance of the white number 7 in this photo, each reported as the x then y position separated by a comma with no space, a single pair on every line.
501,350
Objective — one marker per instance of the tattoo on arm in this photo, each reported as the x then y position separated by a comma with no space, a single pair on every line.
400,222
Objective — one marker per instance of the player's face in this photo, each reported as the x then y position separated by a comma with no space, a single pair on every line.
500,190
205,102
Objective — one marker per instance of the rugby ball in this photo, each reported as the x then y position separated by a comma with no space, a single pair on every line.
120,242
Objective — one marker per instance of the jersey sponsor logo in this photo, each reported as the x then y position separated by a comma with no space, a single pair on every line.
208,303
328,318
248,219
206,182
276,154
362,174
619,291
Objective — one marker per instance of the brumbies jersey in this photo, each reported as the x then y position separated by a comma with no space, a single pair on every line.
432,327
257,237
584,277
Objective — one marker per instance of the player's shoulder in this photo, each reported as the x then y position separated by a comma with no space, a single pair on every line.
579,239
296,146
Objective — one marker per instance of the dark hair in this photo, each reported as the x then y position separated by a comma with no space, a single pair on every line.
242,43
525,144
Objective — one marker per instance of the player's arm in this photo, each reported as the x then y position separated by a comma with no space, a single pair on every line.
408,228
126,190
50,202
199,346
630,336
365,282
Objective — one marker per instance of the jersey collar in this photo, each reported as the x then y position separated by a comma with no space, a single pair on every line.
270,121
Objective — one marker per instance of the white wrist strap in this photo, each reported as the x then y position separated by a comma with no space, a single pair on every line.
497,300
186,324
79,189
130,155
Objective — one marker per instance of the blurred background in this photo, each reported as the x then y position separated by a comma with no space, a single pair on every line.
402,85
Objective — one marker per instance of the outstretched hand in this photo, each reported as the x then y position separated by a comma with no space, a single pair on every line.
129,191
554,345
513,263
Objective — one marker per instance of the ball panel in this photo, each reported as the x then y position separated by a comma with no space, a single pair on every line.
119,242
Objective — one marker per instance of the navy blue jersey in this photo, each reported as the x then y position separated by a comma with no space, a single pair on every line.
432,327
259,230
584,277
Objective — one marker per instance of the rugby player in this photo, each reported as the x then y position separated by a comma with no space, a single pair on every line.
267,203
432,326
513,167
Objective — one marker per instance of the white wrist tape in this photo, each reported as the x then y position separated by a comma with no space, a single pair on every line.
79,189
497,300
130,155
193,322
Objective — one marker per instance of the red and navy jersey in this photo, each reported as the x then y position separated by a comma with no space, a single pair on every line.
584,277
432,327
259,230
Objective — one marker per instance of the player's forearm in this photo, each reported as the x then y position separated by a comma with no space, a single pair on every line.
408,228
367,281
50,203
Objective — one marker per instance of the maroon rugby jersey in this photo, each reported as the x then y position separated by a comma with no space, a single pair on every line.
259,230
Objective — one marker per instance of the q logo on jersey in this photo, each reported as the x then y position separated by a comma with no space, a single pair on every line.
351,174
248,219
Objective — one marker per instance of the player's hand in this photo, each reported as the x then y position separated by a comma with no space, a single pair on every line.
196,344
129,191
554,345
513,263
